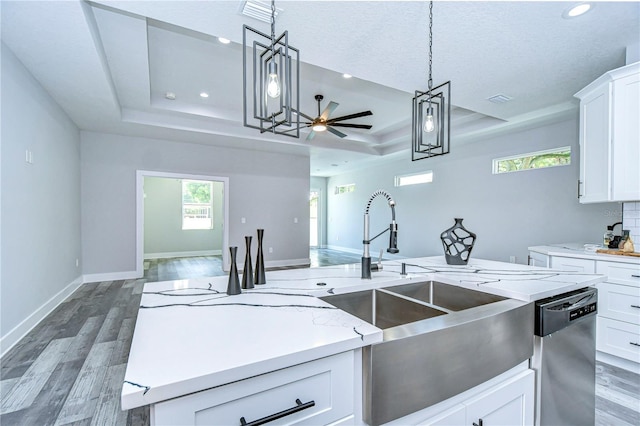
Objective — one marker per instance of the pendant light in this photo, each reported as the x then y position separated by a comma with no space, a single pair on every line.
431,113
271,76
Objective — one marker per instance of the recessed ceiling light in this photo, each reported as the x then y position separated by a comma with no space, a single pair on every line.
204,95
576,10
170,95
345,75
224,40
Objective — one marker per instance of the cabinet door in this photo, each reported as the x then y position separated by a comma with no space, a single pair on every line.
595,143
625,183
573,264
619,302
618,338
455,416
510,403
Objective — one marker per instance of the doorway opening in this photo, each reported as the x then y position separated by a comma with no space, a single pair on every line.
186,215
314,219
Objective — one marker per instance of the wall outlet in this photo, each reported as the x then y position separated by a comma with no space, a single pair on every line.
512,259
270,249
295,220
77,262
243,220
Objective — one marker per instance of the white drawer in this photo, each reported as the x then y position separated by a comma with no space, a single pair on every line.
619,302
618,338
621,273
329,382
573,264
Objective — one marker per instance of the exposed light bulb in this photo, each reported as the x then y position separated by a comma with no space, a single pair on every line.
273,83
429,123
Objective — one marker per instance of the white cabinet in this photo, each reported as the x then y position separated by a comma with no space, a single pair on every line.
508,403
610,137
618,331
316,392
573,264
538,259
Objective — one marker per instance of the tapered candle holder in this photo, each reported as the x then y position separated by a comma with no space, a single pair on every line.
260,277
233,287
247,272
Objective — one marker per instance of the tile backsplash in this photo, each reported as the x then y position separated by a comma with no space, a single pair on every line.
631,221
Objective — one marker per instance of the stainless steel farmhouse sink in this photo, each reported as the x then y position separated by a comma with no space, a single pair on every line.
438,341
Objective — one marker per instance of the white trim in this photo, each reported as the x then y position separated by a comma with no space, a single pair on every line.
111,276
287,262
346,249
168,255
19,331
623,363
140,175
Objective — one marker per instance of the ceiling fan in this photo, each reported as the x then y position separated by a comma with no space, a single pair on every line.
322,122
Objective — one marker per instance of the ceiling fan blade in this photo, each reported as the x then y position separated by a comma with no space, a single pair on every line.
328,110
311,135
353,126
350,116
302,114
336,132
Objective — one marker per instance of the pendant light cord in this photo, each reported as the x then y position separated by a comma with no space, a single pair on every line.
273,50
430,81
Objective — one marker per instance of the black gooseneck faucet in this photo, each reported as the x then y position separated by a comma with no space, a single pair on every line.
393,233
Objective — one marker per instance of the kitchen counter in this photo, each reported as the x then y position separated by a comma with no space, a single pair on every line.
191,336
577,250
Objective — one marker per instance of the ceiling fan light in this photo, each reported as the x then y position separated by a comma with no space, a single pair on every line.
319,127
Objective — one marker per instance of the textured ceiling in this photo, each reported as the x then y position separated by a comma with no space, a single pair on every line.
109,65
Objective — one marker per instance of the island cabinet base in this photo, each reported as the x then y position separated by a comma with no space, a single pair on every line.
316,392
506,400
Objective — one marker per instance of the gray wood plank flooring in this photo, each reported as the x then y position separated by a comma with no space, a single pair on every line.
69,369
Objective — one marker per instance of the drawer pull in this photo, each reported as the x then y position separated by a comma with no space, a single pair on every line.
635,276
299,407
635,306
634,343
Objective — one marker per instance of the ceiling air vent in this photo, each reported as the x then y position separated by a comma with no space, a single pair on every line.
499,99
259,10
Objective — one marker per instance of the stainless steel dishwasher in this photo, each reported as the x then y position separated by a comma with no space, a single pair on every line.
564,358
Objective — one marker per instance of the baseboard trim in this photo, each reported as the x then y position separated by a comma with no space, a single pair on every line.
625,364
287,262
168,255
110,276
10,339
345,249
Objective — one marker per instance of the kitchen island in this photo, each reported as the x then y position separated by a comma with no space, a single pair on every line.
192,339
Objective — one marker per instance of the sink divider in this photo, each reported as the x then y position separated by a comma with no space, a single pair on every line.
411,299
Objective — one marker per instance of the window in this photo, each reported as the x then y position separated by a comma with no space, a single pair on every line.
341,189
197,204
414,179
533,160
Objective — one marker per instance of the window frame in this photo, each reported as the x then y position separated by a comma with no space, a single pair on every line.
349,187
209,205
397,180
495,163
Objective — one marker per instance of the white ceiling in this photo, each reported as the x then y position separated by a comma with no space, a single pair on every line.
110,63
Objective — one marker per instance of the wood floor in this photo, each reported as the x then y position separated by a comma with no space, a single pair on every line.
69,370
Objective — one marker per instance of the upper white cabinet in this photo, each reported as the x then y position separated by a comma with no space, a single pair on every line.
610,137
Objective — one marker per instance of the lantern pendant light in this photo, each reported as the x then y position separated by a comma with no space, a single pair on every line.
431,113
271,76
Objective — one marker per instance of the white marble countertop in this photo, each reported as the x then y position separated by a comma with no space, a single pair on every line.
577,250
191,336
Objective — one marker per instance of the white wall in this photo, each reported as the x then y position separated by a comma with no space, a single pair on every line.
163,233
508,212
40,202
268,189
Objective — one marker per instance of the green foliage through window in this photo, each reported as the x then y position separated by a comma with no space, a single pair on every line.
341,189
197,204
533,160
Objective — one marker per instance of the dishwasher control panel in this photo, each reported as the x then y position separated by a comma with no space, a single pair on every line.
581,312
